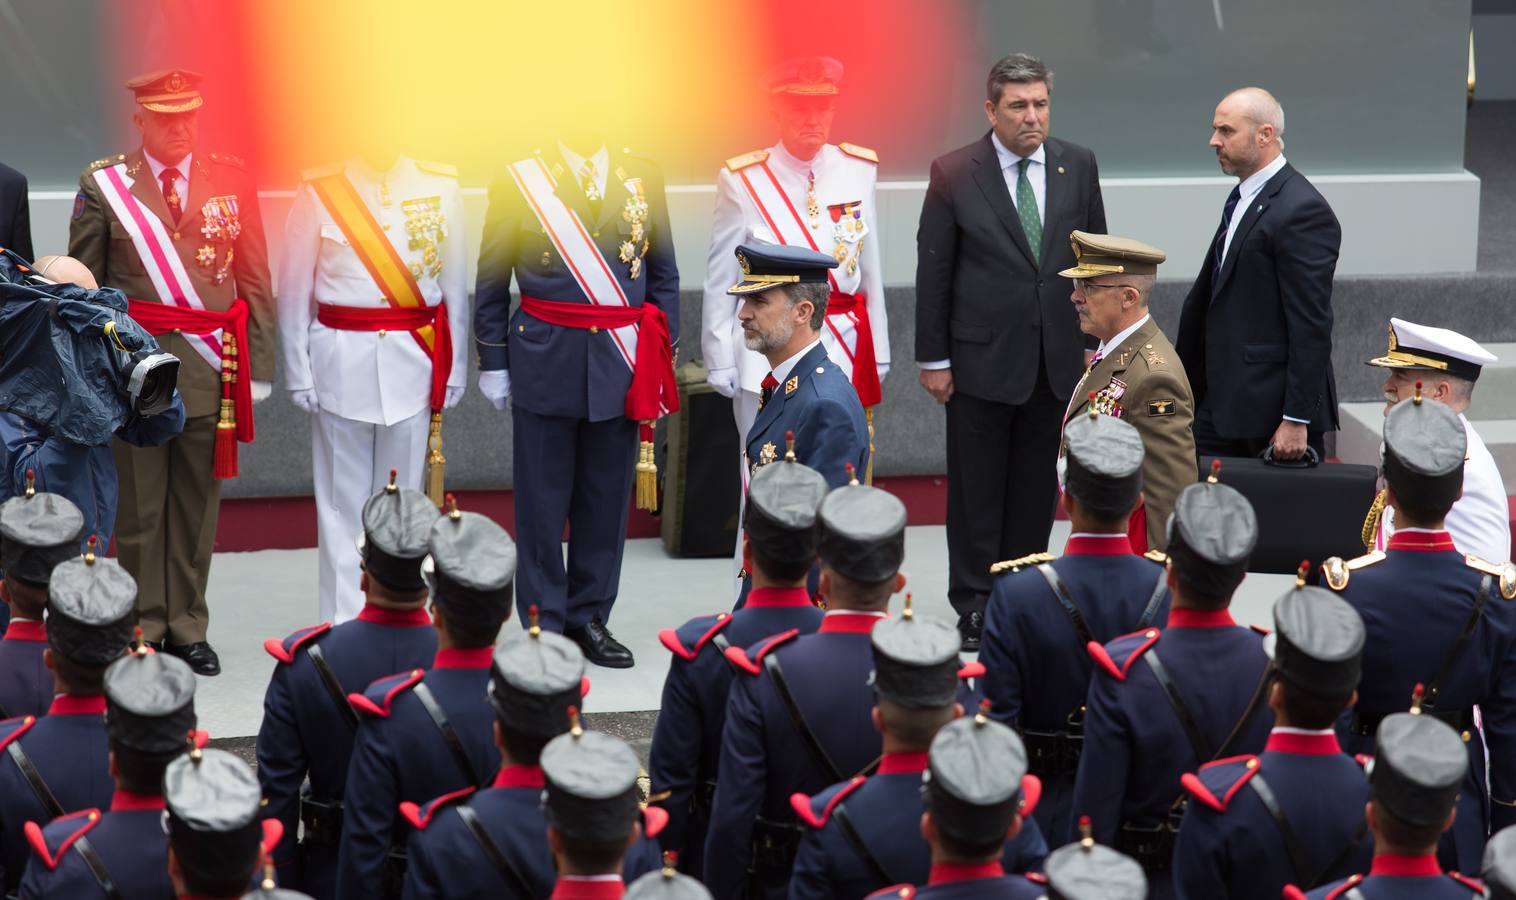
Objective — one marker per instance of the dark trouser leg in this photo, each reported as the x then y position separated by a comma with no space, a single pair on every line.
1031,491
604,472
544,449
142,479
194,505
978,446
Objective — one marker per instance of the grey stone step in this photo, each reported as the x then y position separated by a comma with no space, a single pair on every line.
1495,394
1362,427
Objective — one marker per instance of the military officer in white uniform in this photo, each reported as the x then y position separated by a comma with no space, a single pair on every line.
806,192
1447,364
370,252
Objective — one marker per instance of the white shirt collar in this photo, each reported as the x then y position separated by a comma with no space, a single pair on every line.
854,612
1099,534
1009,159
1123,334
601,159
1284,729
784,157
782,371
1254,183
361,166
589,877
157,167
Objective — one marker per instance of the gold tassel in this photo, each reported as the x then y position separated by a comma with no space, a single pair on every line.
647,478
1371,521
436,463
868,471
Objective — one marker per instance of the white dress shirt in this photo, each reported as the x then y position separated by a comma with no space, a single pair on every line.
1247,192
181,183
782,371
601,161
1121,336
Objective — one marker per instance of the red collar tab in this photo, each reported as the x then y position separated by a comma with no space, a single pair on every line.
571,888
1394,865
1184,617
456,658
70,705
849,622
778,598
1304,744
126,801
519,777
25,630
1098,545
902,764
946,873
395,618
1423,541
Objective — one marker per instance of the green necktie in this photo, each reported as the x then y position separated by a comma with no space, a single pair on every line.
1026,209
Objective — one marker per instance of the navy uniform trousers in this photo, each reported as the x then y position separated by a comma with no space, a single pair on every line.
1037,670
884,812
70,753
1231,844
574,449
1409,642
128,839
983,882
26,685
687,738
765,758
400,754
1400,878
820,405
308,732
1136,750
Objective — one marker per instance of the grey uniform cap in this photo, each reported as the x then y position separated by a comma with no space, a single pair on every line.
591,780
397,523
149,701
916,660
1085,870
781,514
1211,535
862,533
470,566
91,608
1424,449
1104,464
1419,764
1317,642
666,885
535,677
277,893
972,784
37,533
1499,870
213,801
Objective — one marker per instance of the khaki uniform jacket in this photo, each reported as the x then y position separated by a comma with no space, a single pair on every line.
99,241
1145,380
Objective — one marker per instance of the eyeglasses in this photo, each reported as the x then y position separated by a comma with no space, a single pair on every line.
1086,285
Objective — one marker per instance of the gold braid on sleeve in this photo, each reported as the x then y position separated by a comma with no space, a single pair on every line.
1371,521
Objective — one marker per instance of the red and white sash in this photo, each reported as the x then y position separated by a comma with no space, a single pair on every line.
160,258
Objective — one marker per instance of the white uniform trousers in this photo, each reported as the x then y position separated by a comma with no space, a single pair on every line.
352,463
744,410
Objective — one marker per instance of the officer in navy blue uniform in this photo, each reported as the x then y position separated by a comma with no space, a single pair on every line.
1460,648
216,842
1293,813
974,791
800,713
780,533
784,293
1418,769
60,762
423,734
38,530
1164,702
122,854
1499,872
591,806
1043,611
308,725
573,446
865,833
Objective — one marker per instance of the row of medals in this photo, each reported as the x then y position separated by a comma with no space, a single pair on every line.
425,228
635,213
847,227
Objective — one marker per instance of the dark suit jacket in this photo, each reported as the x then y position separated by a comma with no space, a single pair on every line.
1257,343
15,215
981,299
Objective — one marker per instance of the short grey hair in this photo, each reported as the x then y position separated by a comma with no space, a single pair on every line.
1017,68
815,294
1144,285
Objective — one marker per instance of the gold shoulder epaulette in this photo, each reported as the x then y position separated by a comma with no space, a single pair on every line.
437,168
316,172
1157,556
1336,569
1505,572
107,161
738,163
227,159
863,153
1021,562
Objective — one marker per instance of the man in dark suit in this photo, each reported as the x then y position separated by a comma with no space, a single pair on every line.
996,338
1255,335
15,214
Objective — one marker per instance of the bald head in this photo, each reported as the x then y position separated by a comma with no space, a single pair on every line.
65,270
1247,131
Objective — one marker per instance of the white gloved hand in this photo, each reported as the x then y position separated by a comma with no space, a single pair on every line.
495,385
262,390
305,399
884,369
723,381
453,395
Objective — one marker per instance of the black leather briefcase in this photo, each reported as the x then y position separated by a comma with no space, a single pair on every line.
1304,512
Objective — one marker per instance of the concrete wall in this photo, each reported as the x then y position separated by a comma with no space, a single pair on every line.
1494,36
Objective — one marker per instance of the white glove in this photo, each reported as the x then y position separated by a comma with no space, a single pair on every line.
262,390
884,369
453,395
723,381
495,385
305,399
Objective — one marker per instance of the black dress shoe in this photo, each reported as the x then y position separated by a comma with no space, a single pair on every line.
971,627
599,646
200,656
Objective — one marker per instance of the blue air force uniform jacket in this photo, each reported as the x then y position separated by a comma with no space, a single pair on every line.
687,739
1037,669
968,882
818,403
129,840
26,685
307,732
1409,639
1398,878
400,754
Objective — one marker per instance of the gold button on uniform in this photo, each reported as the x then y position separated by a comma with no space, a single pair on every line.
382,332
521,328
594,329
178,331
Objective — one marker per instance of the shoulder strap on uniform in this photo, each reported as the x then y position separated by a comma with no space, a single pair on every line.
1505,574
1066,600
502,863
860,846
439,718
96,866
1160,588
34,780
1021,562
797,718
1455,652
738,163
437,168
333,686
1187,721
863,153
1292,848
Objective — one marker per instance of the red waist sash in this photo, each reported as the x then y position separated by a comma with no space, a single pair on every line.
162,318
653,387
400,318
865,369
